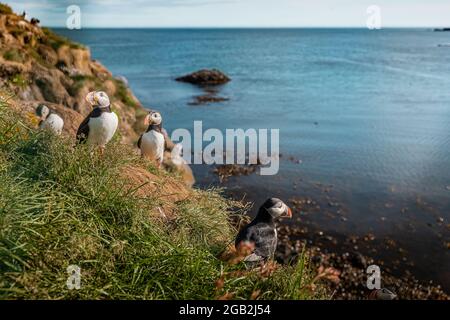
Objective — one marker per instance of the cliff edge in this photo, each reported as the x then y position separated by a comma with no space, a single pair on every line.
40,66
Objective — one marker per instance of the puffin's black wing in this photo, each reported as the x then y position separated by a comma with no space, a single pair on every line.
83,129
245,235
263,236
139,141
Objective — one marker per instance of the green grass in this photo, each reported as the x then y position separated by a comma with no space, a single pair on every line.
56,41
123,95
5,9
61,205
13,55
78,83
39,58
19,80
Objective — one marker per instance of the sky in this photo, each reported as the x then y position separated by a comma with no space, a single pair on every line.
238,13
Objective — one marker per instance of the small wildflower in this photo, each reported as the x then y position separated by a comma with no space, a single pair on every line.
226,296
312,287
268,269
330,274
243,249
220,283
255,294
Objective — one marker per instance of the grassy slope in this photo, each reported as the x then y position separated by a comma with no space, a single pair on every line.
61,205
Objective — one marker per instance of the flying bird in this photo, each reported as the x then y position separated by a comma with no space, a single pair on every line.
260,235
49,119
152,142
99,126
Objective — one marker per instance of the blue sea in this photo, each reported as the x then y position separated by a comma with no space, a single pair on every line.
364,119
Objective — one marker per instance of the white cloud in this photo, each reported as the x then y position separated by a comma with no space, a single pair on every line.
246,13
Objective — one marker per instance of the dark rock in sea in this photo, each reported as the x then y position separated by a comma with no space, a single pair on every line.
205,77
442,29
207,98
228,170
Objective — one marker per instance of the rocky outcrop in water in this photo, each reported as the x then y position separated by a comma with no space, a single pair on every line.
208,80
205,77
207,99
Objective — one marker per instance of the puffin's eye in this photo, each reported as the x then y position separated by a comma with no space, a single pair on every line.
278,205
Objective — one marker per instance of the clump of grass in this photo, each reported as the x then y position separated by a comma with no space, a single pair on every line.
56,41
62,205
78,83
5,9
138,125
39,58
19,80
13,55
123,95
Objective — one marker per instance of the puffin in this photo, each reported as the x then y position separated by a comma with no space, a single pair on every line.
99,126
175,160
152,142
49,119
260,235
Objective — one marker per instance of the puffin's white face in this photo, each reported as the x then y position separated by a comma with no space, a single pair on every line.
153,118
99,98
278,208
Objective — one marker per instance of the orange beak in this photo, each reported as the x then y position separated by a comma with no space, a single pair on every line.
289,213
147,120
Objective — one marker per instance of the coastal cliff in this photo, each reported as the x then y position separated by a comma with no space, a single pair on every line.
40,66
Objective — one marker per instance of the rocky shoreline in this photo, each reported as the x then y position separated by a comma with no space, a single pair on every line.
349,254
345,253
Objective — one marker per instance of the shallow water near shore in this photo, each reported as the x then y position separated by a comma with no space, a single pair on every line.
364,119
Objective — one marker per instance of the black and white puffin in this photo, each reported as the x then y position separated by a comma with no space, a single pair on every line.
49,119
99,126
261,234
152,142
